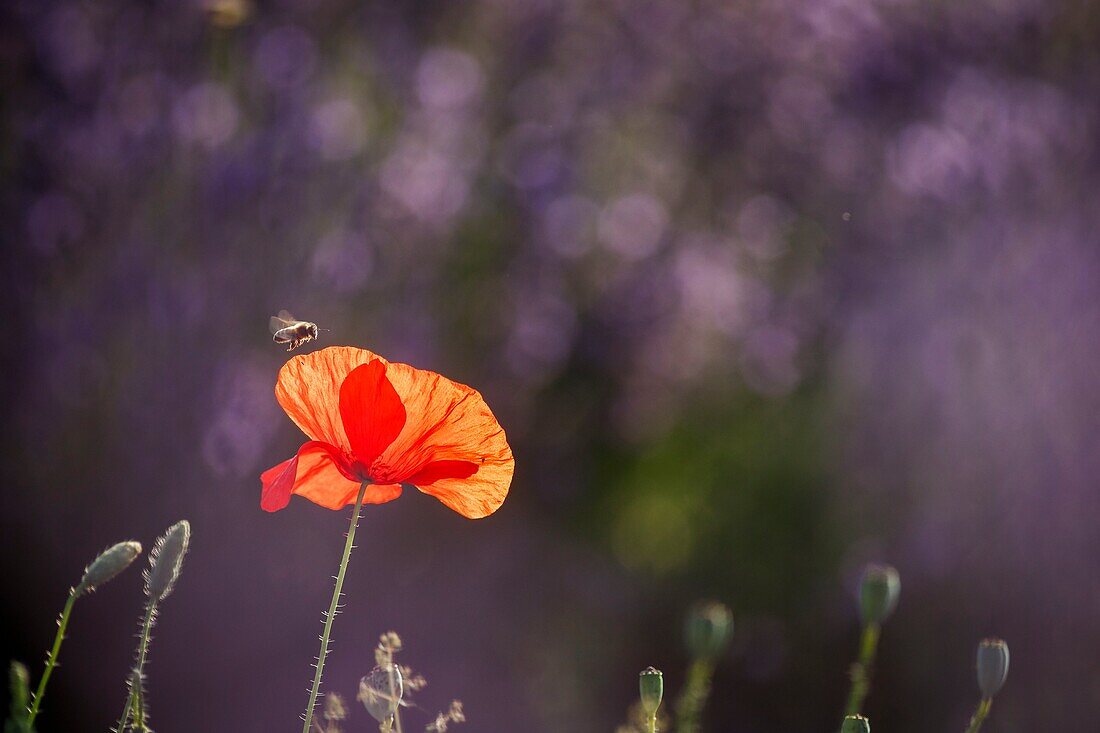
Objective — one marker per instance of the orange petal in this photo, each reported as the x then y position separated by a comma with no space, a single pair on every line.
316,473
451,446
308,389
371,411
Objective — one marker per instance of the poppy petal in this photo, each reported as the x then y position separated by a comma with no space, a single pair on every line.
308,389
437,470
371,410
449,430
317,473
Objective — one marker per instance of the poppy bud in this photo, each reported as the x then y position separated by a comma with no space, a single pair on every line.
165,561
708,629
878,593
19,689
992,666
651,685
110,563
381,691
855,724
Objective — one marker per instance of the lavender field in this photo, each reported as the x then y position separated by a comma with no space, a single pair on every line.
747,295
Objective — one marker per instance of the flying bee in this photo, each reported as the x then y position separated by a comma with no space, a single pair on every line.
286,329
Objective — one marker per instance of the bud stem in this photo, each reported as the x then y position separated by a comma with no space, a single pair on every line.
689,707
861,670
139,669
51,658
315,690
980,715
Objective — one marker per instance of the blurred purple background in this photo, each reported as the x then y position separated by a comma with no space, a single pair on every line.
759,290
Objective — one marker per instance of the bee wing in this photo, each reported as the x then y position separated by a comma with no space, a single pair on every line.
281,321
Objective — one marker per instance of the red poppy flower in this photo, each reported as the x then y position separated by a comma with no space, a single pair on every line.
388,424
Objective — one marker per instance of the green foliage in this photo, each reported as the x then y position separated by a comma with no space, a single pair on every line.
19,690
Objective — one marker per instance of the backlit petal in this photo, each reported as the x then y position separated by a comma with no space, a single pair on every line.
451,444
371,410
318,474
308,389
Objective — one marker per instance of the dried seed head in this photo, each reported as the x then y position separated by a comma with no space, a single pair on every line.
855,724
334,707
708,629
165,561
110,563
992,666
651,686
381,691
878,593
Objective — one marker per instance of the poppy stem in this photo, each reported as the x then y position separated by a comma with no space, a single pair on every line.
137,675
861,671
51,659
315,690
980,715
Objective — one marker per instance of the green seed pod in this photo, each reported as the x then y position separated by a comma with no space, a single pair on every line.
992,666
110,563
651,685
855,724
165,561
878,593
19,688
707,630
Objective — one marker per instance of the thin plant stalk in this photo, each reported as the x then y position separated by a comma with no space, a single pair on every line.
332,607
861,670
139,670
397,707
51,659
980,715
651,723
689,708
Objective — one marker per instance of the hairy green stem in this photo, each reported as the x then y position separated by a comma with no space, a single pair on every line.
51,658
332,606
980,715
651,723
689,708
139,669
861,670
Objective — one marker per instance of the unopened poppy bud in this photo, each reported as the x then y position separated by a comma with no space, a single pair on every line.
165,561
651,685
708,629
110,563
878,593
855,724
992,666
19,689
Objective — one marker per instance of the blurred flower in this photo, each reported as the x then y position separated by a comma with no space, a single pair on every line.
448,78
285,57
228,13
632,226
206,114
386,424
708,629
338,129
